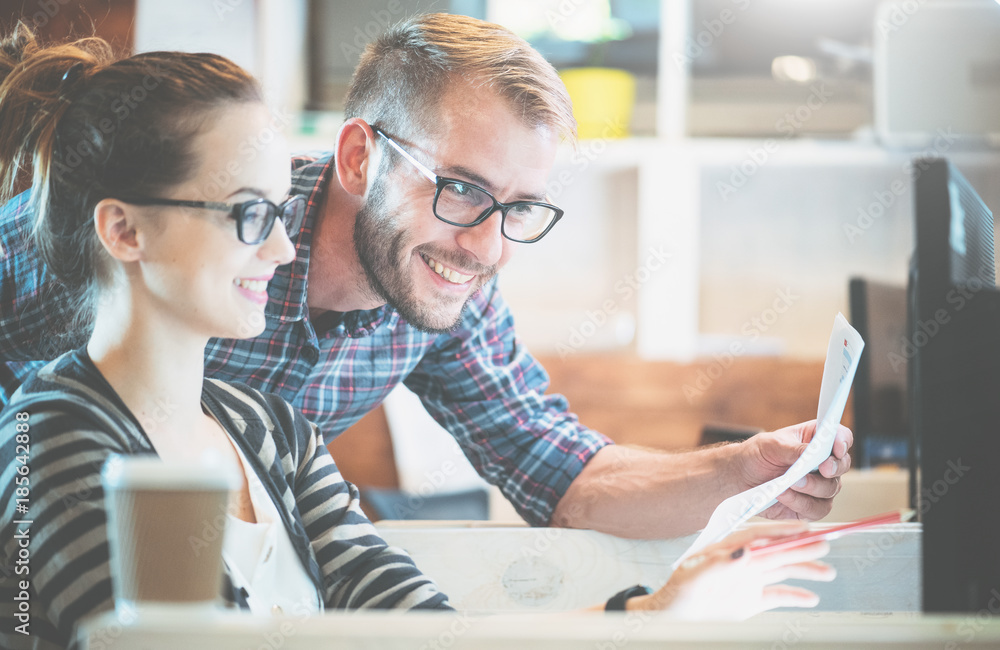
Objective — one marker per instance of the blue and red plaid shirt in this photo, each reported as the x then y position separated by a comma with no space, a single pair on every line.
479,382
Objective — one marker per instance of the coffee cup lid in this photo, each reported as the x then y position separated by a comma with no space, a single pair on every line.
209,472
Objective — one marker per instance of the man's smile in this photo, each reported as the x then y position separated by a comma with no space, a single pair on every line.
448,273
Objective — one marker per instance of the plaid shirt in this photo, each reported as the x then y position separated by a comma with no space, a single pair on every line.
479,382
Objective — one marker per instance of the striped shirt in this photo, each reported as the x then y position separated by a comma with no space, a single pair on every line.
75,420
479,381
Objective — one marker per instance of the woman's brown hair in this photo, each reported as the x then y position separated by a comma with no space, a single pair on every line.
85,125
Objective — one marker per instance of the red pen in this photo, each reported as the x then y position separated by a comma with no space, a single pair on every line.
792,541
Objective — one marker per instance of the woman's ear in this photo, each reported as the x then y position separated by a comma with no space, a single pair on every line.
354,154
116,227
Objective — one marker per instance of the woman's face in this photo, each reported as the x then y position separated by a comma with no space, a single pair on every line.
196,270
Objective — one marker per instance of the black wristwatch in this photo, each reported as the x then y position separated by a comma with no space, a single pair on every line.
617,602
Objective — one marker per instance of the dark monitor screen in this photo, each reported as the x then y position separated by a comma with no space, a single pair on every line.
954,388
881,419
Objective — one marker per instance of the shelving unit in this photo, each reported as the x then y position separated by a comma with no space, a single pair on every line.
630,201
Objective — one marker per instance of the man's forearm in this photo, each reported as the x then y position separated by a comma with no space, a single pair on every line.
641,494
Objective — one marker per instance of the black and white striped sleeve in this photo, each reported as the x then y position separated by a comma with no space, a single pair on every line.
69,572
360,570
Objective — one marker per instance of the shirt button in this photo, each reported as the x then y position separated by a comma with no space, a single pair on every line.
311,355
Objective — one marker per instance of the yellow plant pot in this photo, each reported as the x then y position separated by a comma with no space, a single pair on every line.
603,99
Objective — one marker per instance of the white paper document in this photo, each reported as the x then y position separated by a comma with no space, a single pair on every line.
842,355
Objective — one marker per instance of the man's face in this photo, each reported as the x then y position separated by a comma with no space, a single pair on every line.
423,267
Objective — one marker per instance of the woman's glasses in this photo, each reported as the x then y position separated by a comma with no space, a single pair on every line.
254,219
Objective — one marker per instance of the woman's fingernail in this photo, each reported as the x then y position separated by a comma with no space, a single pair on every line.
737,554
801,483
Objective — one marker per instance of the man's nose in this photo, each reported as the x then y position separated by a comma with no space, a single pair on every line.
484,241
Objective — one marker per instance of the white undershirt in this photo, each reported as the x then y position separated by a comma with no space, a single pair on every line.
262,559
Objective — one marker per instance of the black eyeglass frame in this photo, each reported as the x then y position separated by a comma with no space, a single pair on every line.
237,211
442,182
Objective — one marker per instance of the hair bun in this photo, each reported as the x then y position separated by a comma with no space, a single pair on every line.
16,47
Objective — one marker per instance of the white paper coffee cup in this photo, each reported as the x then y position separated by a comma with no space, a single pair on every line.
166,523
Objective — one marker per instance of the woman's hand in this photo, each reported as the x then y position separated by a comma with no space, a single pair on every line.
726,581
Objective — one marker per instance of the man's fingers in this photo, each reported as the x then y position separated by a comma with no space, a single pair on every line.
833,467
806,430
817,486
805,506
843,440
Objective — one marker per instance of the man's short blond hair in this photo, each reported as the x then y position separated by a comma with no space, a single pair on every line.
404,73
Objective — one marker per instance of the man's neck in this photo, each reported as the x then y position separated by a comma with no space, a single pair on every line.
336,278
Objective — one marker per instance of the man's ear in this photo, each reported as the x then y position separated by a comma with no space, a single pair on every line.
354,155
116,228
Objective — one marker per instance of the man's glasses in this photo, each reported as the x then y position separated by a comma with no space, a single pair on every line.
254,219
461,203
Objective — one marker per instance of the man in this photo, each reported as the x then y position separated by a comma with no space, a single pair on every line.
438,172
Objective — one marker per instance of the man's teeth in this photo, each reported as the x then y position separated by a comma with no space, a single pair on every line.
257,286
451,275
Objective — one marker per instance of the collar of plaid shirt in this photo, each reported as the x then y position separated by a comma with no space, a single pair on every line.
310,178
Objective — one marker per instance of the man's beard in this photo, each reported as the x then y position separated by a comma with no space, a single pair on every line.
379,244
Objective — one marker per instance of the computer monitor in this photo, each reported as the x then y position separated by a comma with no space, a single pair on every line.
954,339
881,416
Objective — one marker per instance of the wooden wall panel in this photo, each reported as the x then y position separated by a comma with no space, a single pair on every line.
664,405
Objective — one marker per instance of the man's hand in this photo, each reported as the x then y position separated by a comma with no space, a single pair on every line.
769,454
638,493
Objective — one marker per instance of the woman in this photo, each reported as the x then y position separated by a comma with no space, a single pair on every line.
149,203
